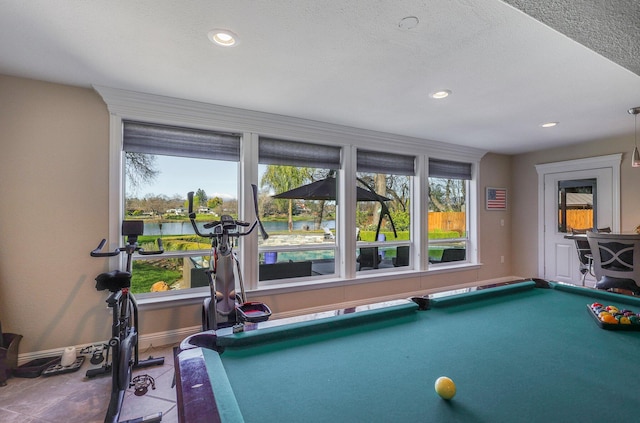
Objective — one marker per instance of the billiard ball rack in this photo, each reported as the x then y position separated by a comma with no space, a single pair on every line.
612,326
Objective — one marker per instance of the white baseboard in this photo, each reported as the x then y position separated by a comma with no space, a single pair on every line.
158,339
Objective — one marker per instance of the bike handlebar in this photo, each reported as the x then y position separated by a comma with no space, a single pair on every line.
98,253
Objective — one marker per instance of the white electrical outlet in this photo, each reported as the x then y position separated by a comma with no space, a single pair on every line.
501,259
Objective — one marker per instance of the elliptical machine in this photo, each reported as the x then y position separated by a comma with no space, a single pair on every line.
224,307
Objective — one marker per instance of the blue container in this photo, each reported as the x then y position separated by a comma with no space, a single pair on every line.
270,257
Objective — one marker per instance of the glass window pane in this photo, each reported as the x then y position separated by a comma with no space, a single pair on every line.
448,210
156,189
276,265
577,204
387,220
298,210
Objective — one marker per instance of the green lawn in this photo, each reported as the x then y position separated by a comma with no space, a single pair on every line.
146,274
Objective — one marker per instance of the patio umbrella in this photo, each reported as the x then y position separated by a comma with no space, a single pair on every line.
325,189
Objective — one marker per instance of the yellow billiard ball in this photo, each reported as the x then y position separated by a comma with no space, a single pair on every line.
445,387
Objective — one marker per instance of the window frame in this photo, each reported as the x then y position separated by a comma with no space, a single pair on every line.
466,239
293,152
142,137
368,161
442,168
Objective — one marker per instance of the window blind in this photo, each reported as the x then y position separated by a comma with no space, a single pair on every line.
167,140
448,169
377,162
294,153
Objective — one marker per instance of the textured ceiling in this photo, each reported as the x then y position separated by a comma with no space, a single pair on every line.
608,27
352,62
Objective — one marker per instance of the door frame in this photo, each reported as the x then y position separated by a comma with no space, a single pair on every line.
611,161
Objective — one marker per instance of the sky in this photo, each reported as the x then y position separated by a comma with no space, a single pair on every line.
179,175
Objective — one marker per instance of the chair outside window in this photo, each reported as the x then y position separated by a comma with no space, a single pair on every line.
327,233
368,258
402,256
616,260
451,254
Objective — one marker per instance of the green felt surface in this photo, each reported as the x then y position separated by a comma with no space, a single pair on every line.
532,355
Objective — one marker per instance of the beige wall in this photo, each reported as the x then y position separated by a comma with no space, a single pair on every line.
53,203
495,226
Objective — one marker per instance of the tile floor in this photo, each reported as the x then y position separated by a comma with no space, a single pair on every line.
71,397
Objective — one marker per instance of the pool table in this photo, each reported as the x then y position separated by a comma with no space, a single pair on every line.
526,352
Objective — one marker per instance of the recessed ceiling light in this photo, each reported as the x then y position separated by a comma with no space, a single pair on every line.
440,94
549,124
223,37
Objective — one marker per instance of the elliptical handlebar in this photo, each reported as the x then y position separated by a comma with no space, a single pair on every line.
227,224
160,249
264,233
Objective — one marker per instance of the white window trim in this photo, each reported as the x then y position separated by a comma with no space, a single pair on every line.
471,241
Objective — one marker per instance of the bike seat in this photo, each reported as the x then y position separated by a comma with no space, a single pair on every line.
113,281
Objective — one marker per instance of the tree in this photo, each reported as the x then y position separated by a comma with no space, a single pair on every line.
202,197
139,168
156,203
381,189
447,194
283,178
214,203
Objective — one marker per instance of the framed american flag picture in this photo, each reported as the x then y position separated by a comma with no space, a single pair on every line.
496,199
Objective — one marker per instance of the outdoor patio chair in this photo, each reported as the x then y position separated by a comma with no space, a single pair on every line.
328,234
402,256
368,257
452,254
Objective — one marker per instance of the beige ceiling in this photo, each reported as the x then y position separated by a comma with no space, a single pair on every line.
352,62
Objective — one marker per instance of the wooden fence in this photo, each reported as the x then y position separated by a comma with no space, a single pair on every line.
456,221
448,221
578,219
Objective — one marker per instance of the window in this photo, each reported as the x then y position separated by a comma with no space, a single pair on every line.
383,212
577,204
224,150
162,163
448,211
298,209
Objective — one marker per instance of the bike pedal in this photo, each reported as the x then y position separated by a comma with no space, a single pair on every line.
97,356
142,383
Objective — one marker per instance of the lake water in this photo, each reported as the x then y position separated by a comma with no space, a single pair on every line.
185,228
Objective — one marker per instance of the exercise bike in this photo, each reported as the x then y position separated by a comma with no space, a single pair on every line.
224,307
124,330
